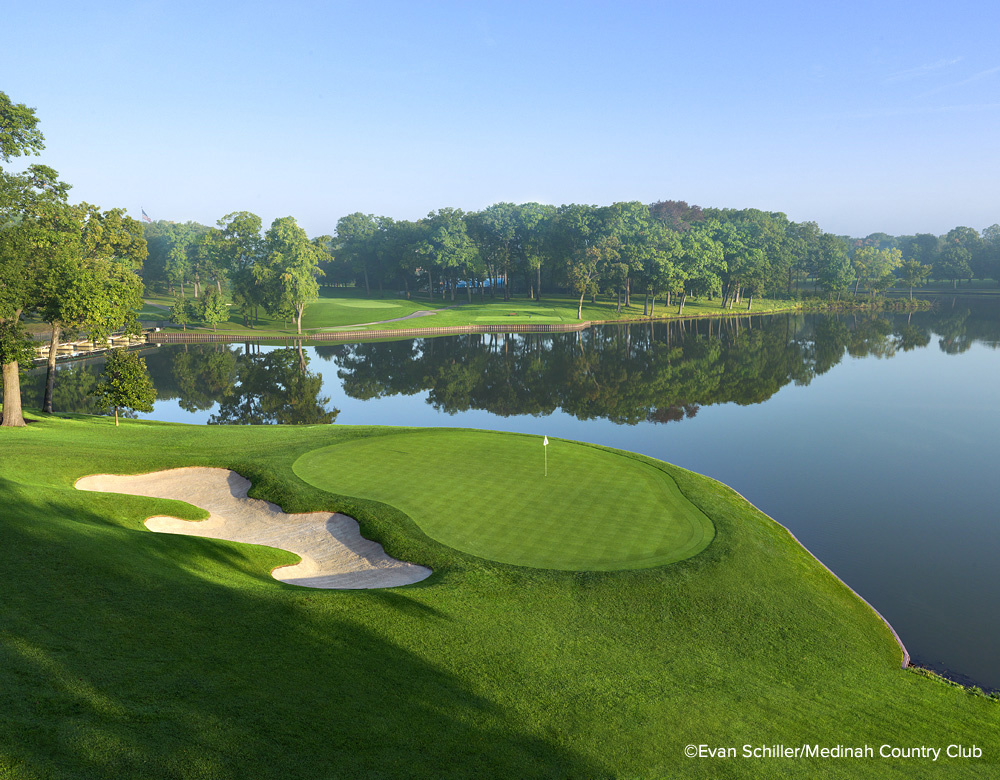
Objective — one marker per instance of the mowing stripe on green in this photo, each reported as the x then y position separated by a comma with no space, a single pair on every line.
486,494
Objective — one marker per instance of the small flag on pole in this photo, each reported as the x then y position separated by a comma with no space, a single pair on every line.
545,443
145,216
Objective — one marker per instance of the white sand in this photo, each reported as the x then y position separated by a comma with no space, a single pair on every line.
333,551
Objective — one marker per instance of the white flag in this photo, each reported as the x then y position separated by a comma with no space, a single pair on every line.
546,442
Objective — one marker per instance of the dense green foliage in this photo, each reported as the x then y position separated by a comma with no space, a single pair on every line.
128,654
667,252
125,384
73,266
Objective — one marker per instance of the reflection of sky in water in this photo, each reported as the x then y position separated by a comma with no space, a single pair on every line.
884,468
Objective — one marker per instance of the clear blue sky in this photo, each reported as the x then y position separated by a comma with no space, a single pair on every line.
877,116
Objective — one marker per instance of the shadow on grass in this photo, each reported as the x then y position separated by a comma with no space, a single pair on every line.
123,655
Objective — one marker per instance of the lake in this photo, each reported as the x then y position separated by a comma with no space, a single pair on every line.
873,438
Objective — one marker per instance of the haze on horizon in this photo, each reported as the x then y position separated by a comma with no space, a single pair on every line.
863,119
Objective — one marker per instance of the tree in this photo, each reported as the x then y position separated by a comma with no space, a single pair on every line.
661,246
954,263
991,251
290,268
532,223
90,283
213,308
27,202
447,247
700,263
629,223
586,265
125,383
240,248
182,312
883,268
676,214
356,243
961,255
913,274
835,272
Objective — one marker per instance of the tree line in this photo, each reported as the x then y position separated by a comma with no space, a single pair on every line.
665,251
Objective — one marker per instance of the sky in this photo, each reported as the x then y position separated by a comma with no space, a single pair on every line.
863,117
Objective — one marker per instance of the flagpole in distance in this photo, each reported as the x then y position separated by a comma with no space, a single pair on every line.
545,449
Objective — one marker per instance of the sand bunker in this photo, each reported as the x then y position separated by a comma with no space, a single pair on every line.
333,551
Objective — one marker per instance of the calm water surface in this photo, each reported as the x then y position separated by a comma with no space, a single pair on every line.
874,439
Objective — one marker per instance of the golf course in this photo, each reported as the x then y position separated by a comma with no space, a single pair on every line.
592,613
340,308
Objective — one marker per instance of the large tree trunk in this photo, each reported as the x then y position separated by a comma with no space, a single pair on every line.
50,374
680,309
12,416
368,292
430,284
579,308
538,287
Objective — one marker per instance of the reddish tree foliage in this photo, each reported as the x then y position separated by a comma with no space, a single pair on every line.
676,214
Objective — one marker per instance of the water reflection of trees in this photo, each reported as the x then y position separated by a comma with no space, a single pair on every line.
660,372
274,387
251,386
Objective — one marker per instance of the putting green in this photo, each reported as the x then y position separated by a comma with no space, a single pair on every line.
486,494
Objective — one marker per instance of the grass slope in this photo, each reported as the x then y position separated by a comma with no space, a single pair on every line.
128,654
595,510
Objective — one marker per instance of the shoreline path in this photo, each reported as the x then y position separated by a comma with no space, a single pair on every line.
334,553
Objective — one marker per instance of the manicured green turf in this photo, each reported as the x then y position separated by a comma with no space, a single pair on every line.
339,308
489,495
130,654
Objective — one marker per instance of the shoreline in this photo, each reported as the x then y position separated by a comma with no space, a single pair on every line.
906,653
172,337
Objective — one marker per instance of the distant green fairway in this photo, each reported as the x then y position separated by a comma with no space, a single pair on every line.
362,303
486,494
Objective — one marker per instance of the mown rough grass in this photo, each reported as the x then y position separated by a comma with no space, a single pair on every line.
128,654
